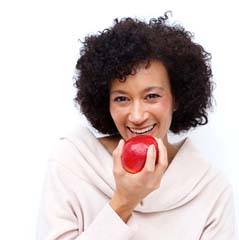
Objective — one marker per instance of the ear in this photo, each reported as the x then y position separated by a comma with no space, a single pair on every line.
175,105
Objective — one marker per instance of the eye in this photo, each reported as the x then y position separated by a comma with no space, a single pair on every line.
152,96
120,99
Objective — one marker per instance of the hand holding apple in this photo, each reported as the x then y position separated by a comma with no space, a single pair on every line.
132,188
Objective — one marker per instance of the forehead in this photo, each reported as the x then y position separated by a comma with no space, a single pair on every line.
154,75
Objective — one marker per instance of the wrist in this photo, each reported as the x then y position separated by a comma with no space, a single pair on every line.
122,207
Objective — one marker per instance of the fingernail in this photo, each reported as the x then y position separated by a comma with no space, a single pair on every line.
152,148
121,142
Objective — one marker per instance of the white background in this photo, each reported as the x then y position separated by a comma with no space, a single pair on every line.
38,51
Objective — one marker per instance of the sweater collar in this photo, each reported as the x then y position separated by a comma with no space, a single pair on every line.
182,181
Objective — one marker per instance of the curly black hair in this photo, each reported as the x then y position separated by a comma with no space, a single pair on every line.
116,51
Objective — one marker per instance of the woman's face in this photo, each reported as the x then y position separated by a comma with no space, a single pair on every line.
143,104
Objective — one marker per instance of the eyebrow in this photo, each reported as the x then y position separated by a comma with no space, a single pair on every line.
145,90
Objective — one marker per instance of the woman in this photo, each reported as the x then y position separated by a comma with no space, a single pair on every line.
137,78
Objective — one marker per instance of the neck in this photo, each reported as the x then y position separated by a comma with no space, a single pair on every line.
172,150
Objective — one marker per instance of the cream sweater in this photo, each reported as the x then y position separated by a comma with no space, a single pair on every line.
193,202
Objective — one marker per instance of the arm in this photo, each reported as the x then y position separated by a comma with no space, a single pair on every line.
221,223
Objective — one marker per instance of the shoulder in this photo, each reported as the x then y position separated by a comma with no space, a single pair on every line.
73,146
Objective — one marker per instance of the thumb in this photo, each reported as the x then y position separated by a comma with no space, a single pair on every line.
117,153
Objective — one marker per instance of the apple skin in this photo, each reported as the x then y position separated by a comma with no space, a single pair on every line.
135,152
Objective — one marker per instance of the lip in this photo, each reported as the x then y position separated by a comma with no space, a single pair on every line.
143,127
134,134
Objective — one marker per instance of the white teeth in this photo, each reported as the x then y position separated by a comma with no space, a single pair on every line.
141,131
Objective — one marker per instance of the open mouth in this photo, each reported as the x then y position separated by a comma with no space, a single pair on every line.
141,131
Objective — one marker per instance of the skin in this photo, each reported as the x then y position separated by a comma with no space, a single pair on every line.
138,107
144,99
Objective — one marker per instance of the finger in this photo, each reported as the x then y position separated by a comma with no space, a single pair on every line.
150,159
117,153
163,157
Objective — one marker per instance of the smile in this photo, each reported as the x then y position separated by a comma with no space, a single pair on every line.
141,131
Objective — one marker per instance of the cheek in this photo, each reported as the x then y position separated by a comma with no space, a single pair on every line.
117,114
167,105
163,108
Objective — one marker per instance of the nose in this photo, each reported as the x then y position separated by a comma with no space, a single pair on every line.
137,113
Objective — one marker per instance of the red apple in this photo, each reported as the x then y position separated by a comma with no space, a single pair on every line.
135,152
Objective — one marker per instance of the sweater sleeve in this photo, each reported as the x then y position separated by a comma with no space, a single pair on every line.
61,216
221,222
